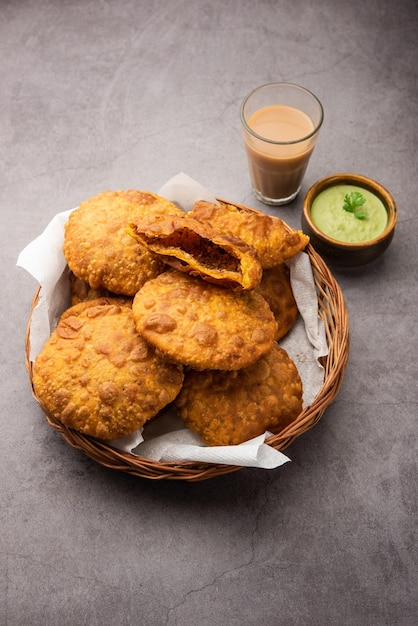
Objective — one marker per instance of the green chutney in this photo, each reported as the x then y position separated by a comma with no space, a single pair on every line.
329,216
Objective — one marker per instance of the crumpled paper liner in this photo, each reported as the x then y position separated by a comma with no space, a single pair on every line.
165,438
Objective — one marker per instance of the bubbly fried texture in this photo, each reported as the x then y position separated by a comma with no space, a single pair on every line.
274,241
227,408
80,291
201,324
96,374
198,249
97,247
276,288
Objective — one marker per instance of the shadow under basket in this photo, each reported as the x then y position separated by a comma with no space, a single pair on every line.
332,310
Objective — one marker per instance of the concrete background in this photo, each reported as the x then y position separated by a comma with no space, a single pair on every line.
113,95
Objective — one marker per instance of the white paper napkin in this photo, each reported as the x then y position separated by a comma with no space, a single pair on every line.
184,191
307,340
184,445
43,258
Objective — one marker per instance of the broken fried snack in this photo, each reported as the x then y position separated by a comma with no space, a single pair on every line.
275,287
97,247
274,241
97,375
228,408
197,248
202,325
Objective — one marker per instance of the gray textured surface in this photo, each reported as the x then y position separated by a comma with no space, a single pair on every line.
101,94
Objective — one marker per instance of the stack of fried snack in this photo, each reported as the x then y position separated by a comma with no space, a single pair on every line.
169,308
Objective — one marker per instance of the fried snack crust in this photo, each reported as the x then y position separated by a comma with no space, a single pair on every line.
203,325
198,249
96,374
97,247
80,291
276,289
272,239
227,408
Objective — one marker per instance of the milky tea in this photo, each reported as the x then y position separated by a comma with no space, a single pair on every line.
280,124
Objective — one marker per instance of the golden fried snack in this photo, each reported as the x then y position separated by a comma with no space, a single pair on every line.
272,239
80,291
227,408
96,374
275,287
97,247
201,324
198,249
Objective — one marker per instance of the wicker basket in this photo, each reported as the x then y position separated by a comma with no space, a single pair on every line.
331,308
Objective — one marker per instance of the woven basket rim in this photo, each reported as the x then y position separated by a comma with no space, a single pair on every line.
333,311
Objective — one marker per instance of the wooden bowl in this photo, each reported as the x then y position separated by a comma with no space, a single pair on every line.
349,254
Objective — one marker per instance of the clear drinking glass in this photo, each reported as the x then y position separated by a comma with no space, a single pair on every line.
280,123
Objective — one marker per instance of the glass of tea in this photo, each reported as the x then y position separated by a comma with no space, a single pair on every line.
281,123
